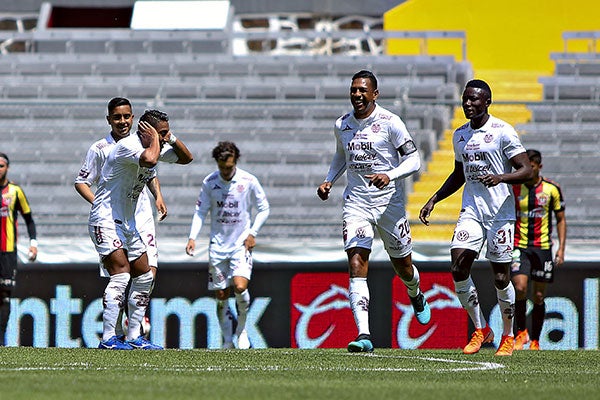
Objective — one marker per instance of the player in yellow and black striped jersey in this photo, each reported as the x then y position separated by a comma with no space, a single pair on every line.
537,203
13,202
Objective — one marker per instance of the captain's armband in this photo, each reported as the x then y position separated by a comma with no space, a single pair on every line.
407,148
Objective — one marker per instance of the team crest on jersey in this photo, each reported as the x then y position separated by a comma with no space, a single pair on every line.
375,128
240,188
488,138
542,199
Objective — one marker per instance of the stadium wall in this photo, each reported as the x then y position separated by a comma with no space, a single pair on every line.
509,34
301,305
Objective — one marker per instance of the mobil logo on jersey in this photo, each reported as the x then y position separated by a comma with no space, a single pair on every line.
449,324
320,311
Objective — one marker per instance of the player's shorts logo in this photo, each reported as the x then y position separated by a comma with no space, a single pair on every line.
462,236
117,244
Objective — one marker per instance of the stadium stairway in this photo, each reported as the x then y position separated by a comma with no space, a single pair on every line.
507,87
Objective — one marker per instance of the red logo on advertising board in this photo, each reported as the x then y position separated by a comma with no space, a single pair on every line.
448,327
320,311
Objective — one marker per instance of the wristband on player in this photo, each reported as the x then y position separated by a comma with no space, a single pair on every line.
33,243
172,139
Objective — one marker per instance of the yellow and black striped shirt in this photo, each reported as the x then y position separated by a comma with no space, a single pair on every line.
535,207
13,201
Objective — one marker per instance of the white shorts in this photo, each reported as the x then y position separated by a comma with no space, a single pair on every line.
390,221
106,240
147,232
221,270
470,234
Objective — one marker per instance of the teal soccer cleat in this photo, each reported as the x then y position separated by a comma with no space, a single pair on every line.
421,308
362,344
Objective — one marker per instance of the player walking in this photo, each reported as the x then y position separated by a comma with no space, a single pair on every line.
229,194
536,201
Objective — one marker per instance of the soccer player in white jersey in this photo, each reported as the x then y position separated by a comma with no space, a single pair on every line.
129,167
120,119
488,158
376,151
229,194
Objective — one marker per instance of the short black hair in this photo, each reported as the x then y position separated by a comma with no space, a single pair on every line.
367,75
153,117
117,102
534,155
479,84
3,155
224,150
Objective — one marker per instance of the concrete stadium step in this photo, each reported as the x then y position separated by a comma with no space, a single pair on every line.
514,114
509,85
421,196
432,233
445,211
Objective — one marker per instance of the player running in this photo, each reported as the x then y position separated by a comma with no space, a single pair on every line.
376,151
486,149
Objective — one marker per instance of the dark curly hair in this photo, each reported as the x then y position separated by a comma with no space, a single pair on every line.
224,150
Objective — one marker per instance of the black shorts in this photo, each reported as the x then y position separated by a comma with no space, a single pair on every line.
536,263
8,269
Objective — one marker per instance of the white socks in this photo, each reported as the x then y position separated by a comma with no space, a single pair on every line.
467,295
242,300
506,301
139,297
225,320
359,303
412,286
114,301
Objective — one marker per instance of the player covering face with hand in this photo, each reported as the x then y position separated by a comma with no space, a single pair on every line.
112,225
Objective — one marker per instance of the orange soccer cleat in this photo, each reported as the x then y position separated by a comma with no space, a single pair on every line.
521,339
534,345
507,345
479,337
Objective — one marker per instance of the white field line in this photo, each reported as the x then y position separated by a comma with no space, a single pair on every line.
460,365
470,365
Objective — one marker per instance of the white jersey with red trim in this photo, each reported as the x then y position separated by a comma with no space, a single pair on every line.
122,179
90,172
369,146
230,204
483,151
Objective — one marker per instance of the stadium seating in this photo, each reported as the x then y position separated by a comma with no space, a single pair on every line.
278,108
564,127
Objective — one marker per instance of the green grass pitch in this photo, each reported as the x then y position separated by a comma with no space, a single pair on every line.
53,373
